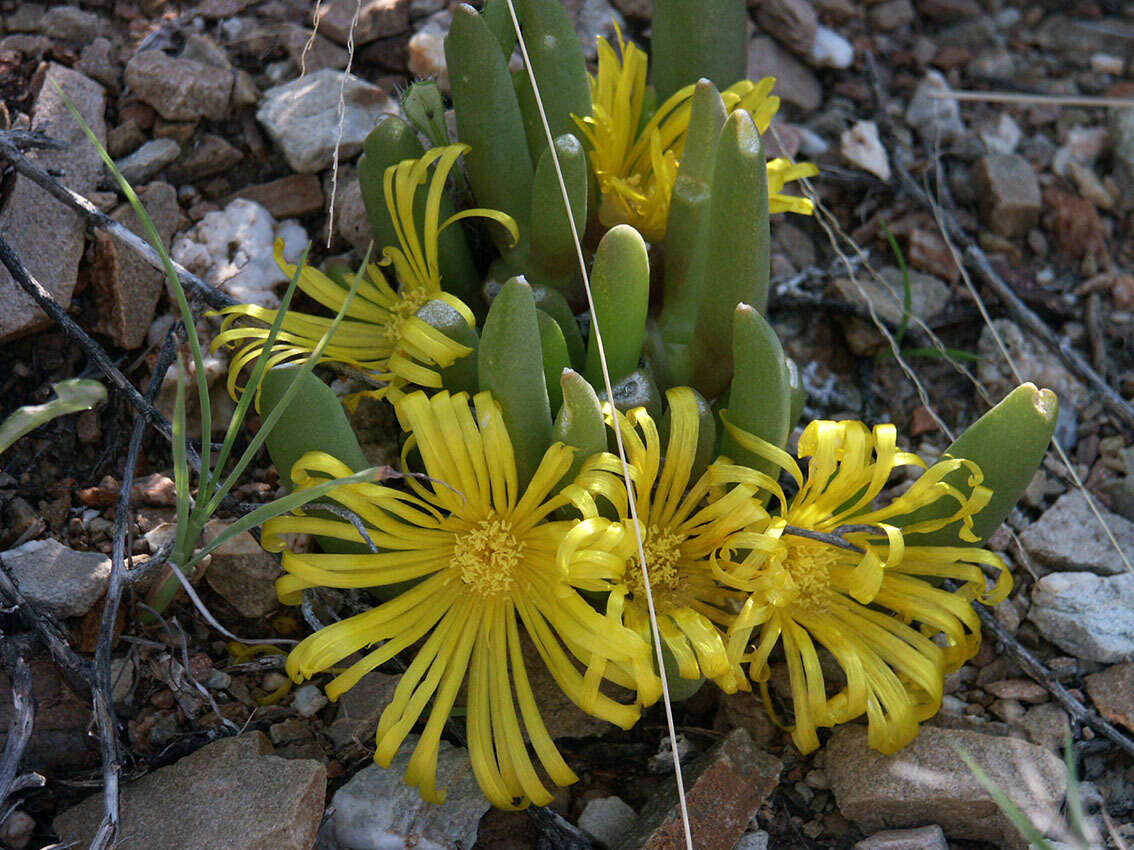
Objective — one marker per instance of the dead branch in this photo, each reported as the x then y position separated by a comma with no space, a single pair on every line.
1080,714
93,350
979,263
196,288
23,718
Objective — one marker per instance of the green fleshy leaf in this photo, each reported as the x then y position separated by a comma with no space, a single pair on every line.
555,359
499,166
511,368
691,40
557,61
1008,444
554,260
314,420
552,302
424,105
579,422
739,251
620,285
760,396
686,235
461,376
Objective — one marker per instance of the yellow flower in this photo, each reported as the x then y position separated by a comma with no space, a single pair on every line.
380,333
872,602
481,558
636,165
682,526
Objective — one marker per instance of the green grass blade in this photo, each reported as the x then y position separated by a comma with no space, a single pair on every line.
281,506
175,284
907,294
273,417
252,387
1010,809
180,459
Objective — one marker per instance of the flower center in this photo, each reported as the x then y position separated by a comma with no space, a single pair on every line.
663,551
409,303
487,555
809,563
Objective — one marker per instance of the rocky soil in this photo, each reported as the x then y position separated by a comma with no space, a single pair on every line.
225,115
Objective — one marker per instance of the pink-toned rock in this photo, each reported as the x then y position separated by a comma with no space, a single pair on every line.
1112,692
180,89
126,287
289,197
46,236
723,790
376,19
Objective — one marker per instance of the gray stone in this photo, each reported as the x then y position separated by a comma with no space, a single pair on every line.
376,810
936,120
97,61
607,819
757,840
242,572
351,221
793,23
1068,538
23,17
593,18
16,829
1010,195
359,710
56,579
148,160
928,295
302,117
232,793
376,19
200,48
891,15
1030,360
47,237
308,700
723,789
1046,725
919,838
208,156
928,779
126,287
1086,615
70,23
795,82
180,89
323,53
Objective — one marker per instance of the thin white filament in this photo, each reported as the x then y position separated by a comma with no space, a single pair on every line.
617,431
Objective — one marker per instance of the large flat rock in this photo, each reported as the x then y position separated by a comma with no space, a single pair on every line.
229,795
47,236
927,783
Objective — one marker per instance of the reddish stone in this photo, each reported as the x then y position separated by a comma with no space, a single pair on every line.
922,422
1073,224
723,790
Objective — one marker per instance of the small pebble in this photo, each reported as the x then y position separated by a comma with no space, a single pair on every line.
308,701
